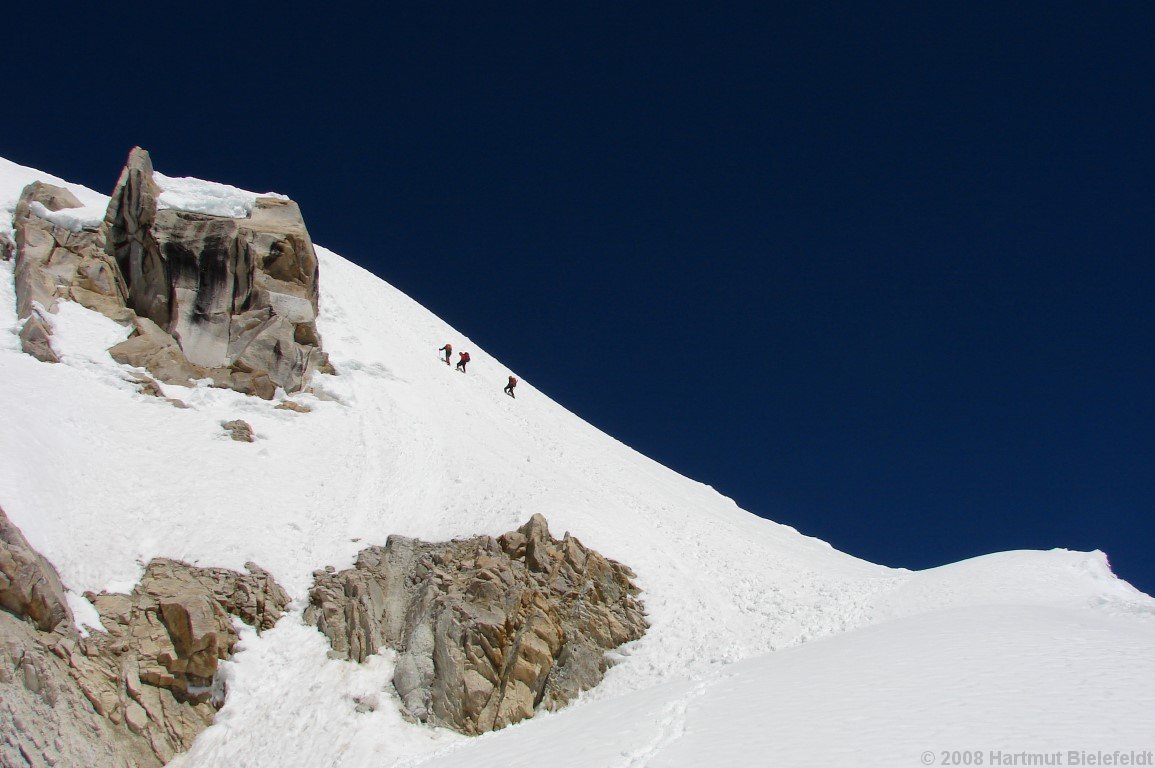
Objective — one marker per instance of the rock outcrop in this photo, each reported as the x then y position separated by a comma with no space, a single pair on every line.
151,348
487,630
45,719
235,294
231,299
54,261
29,585
135,694
177,622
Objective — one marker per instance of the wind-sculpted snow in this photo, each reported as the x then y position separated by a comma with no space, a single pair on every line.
101,479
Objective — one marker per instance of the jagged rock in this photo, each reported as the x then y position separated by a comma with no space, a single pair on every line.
179,620
292,405
234,293
46,717
487,630
46,712
239,430
135,695
129,220
151,348
36,339
53,262
256,383
229,299
163,645
29,585
35,245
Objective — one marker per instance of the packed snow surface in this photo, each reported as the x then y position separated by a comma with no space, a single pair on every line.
766,647
209,197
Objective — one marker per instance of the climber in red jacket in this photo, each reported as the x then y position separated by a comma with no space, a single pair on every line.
461,363
510,387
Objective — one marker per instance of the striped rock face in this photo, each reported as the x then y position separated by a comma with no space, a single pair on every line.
237,293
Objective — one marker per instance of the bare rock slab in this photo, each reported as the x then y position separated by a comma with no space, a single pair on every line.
487,630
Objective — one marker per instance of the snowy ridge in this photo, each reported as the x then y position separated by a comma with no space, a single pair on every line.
101,479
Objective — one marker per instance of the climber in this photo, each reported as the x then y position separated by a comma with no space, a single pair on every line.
461,363
448,350
510,386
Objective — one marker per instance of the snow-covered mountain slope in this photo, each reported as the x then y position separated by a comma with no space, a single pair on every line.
981,679
101,478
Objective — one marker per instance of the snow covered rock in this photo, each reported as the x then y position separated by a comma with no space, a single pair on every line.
136,693
487,629
227,298
292,405
64,256
59,257
178,621
153,670
234,292
51,711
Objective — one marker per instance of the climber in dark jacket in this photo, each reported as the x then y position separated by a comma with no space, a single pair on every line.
461,362
510,386
448,350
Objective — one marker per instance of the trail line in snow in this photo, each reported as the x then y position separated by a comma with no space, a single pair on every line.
671,726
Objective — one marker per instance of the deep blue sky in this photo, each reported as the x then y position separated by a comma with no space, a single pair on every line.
881,271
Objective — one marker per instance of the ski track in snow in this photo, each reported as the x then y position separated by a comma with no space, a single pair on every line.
101,479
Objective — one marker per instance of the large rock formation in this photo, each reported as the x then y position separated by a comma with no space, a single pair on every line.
231,299
487,630
133,695
234,293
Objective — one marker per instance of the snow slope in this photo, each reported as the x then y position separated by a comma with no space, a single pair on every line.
966,656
